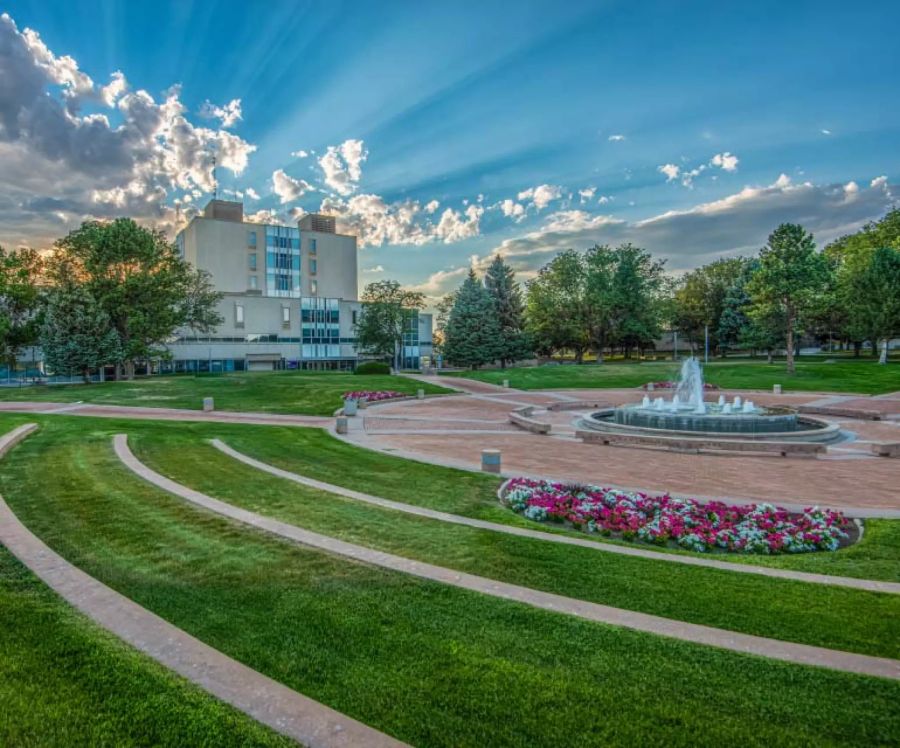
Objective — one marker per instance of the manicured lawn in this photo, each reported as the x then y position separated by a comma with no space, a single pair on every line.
315,454
309,393
430,664
64,682
863,376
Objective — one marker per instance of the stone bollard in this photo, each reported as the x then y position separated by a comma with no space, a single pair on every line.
420,394
506,383
776,389
341,425
207,404
490,460
349,407
363,403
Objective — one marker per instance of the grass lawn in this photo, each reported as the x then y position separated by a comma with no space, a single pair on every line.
64,681
863,375
299,392
432,665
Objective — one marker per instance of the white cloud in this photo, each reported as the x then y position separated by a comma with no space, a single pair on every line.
251,193
670,170
455,226
512,209
851,190
117,86
376,269
542,195
879,182
287,188
229,114
736,224
342,166
300,154
604,199
616,138
432,206
264,216
825,132
725,161
587,193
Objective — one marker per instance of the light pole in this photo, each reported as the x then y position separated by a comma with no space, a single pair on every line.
706,344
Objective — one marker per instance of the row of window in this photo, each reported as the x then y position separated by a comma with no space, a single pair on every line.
290,240
253,338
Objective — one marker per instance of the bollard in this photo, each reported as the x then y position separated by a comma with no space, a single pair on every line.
341,425
207,404
776,389
420,394
506,383
490,460
650,387
363,403
349,407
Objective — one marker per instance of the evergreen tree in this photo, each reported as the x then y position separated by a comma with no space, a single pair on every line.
472,334
77,335
499,280
733,321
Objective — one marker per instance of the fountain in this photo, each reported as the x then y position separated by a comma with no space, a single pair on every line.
687,413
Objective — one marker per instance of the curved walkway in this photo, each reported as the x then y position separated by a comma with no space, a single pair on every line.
861,584
691,632
275,705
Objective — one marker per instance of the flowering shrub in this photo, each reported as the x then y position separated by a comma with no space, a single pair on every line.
669,385
691,524
373,396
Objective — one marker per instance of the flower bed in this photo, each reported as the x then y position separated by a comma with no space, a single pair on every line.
669,385
373,396
685,523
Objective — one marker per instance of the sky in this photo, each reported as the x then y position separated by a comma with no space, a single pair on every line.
442,133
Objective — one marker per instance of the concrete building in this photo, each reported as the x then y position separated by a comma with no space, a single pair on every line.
290,296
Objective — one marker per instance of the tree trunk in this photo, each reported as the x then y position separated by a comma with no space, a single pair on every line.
769,356
857,346
790,342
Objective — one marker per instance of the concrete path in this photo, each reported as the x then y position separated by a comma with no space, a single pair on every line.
798,576
164,414
275,705
698,634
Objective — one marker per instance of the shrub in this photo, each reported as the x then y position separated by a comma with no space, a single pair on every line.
373,367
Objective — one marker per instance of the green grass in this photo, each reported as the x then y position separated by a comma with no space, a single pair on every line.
863,376
299,392
316,454
64,681
430,664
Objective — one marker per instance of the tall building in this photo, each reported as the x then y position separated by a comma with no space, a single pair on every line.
290,296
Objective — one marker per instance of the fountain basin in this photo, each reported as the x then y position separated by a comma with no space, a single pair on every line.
774,424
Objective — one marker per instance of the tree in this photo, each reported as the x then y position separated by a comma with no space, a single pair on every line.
600,296
473,334
138,279
637,287
873,294
499,280
77,335
700,299
384,317
19,301
790,273
556,306
734,322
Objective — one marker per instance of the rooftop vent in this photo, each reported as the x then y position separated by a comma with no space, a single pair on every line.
318,222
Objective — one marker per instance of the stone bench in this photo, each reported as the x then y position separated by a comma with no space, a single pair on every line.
886,449
691,444
576,405
528,424
838,412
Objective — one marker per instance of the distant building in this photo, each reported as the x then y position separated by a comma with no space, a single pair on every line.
290,296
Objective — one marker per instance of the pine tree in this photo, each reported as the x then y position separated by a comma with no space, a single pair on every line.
77,335
506,296
473,331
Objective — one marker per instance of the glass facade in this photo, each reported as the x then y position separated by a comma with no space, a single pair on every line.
320,328
282,261
411,350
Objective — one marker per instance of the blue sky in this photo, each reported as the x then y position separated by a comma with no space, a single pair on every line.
690,128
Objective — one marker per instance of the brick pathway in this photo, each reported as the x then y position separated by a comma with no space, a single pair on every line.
275,705
691,632
861,584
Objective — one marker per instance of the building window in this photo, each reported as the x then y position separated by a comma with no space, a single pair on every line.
286,315
314,287
251,238
238,315
354,317
312,267
251,280
312,246
251,261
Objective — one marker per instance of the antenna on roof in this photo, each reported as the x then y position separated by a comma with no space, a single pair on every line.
215,181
